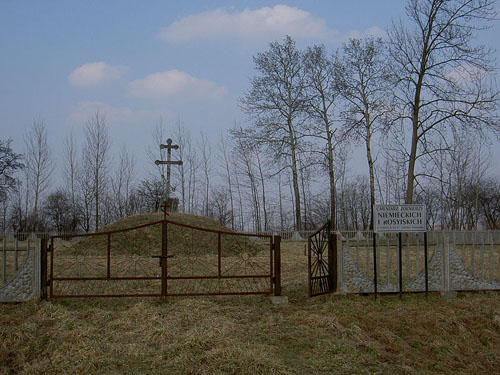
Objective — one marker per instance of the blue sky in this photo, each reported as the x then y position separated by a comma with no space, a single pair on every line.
137,61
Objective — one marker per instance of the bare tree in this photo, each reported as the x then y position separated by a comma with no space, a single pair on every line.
224,159
57,209
276,103
206,155
244,152
70,171
96,159
321,96
362,79
182,137
489,197
10,162
39,164
441,77
122,182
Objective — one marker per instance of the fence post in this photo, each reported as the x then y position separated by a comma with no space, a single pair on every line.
277,265
43,267
340,261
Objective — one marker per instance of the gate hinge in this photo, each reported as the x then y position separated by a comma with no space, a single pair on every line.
48,282
49,248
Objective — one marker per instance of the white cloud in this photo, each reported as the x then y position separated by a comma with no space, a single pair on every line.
374,31
114,115
466,74
259,24
175,84
95,74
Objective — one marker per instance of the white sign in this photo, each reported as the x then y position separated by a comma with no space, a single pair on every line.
399,218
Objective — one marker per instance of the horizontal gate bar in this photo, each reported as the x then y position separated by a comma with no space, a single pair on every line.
159,278
103,295
218,277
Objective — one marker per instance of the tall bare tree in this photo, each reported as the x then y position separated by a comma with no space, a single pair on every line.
96,159
224,159
276,103
441,76
39,165
70,171
182,137
321,96
122,182
362,77
206,162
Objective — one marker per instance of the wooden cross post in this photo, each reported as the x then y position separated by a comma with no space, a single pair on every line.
169,146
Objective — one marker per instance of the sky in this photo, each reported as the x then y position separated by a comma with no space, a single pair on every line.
141,61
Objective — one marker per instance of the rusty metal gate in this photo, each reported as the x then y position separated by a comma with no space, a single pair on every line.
163,258
322,261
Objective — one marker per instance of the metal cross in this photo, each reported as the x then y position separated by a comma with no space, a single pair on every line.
169,146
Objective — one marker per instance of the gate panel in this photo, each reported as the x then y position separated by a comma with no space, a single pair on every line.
321,260
206,262
163,258
108,264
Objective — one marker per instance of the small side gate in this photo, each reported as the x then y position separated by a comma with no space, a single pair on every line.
322,261
163,258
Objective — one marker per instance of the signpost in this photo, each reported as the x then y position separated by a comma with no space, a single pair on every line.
398,218
390,218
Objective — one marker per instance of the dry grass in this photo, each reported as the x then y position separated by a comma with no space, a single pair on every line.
249,335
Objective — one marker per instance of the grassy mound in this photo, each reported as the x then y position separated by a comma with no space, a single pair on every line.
146,241
187,219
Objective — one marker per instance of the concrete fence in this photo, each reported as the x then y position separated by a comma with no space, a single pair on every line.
20,271
457,261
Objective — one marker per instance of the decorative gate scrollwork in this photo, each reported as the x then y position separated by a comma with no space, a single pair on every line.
322,261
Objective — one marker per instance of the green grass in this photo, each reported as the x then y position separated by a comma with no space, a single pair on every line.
249,335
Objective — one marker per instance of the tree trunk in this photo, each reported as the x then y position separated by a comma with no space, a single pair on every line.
295,177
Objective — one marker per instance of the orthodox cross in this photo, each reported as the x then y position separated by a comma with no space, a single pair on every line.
169,146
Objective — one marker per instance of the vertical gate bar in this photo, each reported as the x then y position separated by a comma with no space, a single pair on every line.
407,258
417,258
164,253
309,281
219,252
367,257
388,257
277,266
375,264
271,263
4,261
426,265
400,256
109,256
52,253
43,266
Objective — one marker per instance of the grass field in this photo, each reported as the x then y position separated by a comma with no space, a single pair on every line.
250,335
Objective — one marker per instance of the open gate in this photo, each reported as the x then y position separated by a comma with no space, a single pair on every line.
322,261
163,258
